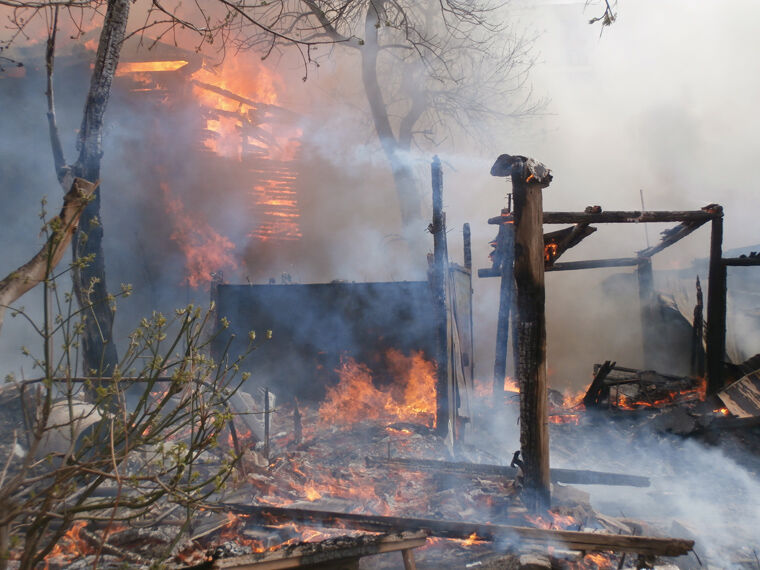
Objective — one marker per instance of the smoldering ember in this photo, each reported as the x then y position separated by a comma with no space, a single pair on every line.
328,284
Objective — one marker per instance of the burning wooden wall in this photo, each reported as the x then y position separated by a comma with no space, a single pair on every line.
315,326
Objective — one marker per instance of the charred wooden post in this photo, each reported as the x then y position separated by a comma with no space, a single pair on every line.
267,420
297,425
467,239
597,391
648,315
438,281
528,180
716,304
505,247
697,347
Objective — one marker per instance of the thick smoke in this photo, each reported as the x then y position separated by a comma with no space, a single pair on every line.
659,102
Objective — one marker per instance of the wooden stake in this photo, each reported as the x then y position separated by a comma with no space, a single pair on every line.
505,250
646,301
716,307
438,278
531,331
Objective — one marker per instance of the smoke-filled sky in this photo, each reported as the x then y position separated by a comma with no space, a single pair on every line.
660,102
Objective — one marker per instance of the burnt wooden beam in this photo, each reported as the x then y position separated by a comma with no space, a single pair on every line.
527,193
568,476
594,264
573,540
750,261
574,265
671,236
564,240
715,336
624,217
332,552
596,389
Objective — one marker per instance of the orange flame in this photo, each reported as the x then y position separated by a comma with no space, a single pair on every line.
510,385
550,251
127,67
410,399
72,544
205,250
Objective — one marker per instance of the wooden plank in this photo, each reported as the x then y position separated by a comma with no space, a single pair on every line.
593,264
715,336
529,266
742,398
304,555
408,558
567,476
671,236
573,540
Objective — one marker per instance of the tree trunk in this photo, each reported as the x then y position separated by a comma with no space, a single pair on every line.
395,148
99,352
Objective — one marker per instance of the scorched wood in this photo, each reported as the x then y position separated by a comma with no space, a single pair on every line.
328,554
568,476
527,187
573,540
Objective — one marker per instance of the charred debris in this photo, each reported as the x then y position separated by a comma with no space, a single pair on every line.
355,431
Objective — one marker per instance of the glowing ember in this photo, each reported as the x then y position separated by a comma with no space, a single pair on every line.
205,250
550,251
312,494
597,560
411,398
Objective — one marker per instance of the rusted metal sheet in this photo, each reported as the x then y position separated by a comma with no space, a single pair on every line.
742,398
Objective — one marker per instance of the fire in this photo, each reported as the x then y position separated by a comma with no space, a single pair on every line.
312,494
411,398
554,520
550,252
510,385
125,68
71,545
205,250
722,411
574,419
472,540
597,560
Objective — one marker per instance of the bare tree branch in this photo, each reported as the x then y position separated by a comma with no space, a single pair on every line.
41,265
